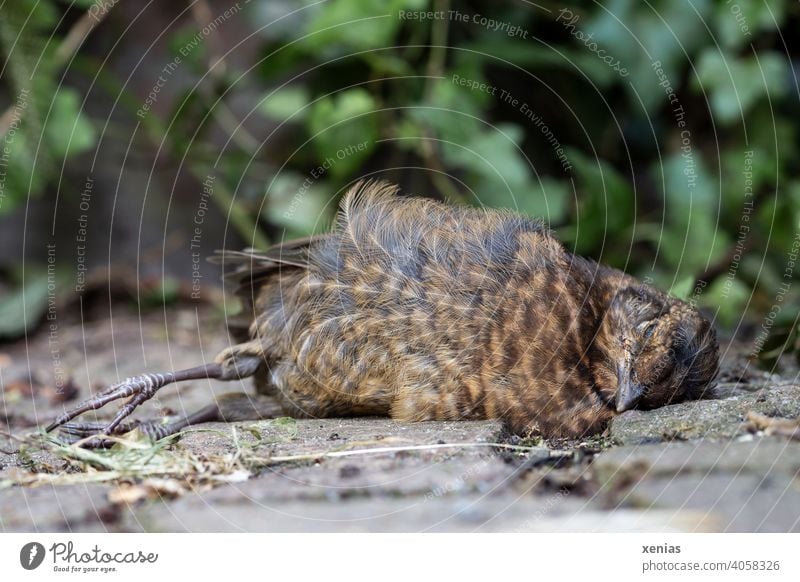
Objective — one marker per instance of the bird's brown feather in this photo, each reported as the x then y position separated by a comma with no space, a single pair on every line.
421,310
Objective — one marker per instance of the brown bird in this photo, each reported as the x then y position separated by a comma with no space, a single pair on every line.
417,310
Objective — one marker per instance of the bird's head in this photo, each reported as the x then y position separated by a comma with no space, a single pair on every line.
661,349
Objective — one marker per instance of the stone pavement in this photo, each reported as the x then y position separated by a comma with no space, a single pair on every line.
691,467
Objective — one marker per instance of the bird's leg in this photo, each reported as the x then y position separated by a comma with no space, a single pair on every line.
227,408
139,389
154,429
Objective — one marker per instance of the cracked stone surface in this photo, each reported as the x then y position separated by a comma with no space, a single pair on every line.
711,419
694,466
339,433
55,509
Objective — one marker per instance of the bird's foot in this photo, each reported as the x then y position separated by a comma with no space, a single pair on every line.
73,432
139,389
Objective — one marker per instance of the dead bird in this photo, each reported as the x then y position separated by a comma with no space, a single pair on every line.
418,310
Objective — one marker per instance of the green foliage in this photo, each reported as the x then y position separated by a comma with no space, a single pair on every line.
683,288
665,31
286,104
68,131
736,83
300,209
689,240
48,123
24,308
339,122
605,204
340,26
760,16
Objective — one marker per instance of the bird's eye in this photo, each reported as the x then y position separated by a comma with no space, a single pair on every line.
647,329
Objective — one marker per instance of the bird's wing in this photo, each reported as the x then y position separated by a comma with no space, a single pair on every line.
249,269
293,253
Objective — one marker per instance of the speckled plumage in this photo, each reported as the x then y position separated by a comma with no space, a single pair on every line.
418,310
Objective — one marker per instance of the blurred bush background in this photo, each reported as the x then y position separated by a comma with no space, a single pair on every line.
659,137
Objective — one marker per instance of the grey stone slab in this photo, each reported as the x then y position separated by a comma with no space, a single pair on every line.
624,520
306,436
739,486
463,513
712,419
339,480
738,502
758,456
55,509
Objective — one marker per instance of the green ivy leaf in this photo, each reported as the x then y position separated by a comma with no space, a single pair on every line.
495,155
24,308
546,198
288,102
23,176
690,239
737,22
299,205
737,83
69,132
344,129
605,203
683,288
729,297
356,24
638,33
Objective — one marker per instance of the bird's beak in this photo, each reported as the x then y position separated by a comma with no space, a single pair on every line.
628,392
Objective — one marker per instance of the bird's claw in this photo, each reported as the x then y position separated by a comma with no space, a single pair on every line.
73,432
139,389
